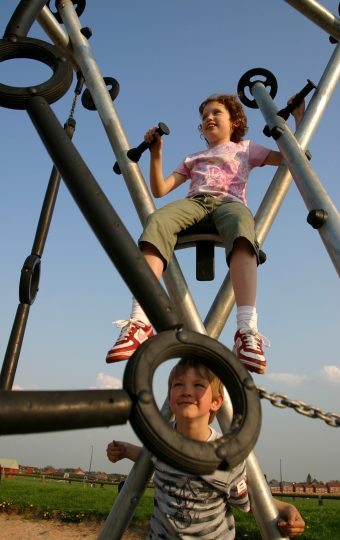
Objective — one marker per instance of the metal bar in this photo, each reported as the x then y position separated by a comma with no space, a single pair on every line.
128,499
19,325
37,412
319,15
309,185
23,17
266,514
49,23
83,56
102,218
14,345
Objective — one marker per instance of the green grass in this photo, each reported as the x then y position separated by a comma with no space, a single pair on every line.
322,522
77,501
73,501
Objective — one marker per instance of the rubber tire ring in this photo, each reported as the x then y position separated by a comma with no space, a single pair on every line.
14,97
167,444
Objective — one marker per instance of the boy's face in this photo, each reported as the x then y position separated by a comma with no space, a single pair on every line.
216,123
191,396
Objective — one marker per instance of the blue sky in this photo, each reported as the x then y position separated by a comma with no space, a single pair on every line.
167,57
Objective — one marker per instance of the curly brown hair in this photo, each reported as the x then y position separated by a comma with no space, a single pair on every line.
235,109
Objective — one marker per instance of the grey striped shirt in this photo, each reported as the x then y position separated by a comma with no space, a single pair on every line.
188,506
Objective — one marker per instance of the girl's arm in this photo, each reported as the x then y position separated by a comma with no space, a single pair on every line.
160,186
273,158
117,450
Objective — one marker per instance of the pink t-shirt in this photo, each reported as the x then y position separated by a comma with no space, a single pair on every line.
223,171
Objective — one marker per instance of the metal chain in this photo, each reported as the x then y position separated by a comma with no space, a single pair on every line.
77,92
74,103
282,401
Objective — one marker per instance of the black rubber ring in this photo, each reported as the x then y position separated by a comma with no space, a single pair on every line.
14,97
246,82
167,444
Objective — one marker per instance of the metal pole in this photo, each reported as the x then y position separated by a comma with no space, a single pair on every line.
91,459
15,341
83,57
266,515
56,410
309,185
53,29
319,15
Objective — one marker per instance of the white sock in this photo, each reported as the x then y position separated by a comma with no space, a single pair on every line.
138,313
246,318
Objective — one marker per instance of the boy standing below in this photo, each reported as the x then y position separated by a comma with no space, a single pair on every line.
186,505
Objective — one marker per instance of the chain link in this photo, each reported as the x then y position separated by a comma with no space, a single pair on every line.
282,401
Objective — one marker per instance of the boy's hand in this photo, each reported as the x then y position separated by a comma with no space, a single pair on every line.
116,450
291,522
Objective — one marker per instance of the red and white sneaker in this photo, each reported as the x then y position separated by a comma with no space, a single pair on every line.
133,333
248,347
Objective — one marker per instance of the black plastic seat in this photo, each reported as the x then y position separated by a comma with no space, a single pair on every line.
204,237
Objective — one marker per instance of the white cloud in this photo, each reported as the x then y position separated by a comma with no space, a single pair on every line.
107,381
20,387
331,373
292,379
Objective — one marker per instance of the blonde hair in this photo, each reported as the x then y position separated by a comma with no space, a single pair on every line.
236,112
182,367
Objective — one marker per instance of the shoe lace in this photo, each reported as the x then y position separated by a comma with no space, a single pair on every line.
126,325
253,338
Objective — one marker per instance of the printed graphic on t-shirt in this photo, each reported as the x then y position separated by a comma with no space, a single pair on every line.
222,171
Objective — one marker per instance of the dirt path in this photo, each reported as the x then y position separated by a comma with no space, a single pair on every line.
21,528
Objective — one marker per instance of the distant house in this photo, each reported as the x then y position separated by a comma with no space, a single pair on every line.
49,471
60,473
333,487
298,487
319,488
274,486
102,477
309,488
27,469
287,487
78,471
9,468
